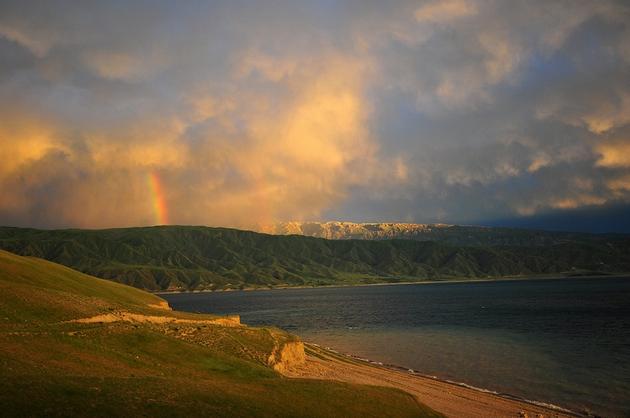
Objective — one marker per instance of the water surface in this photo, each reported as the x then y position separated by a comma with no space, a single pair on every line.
564,341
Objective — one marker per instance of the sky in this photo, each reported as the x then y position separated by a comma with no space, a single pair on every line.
243,113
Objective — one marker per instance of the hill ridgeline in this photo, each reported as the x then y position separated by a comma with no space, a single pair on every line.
202,258
450,234
77,346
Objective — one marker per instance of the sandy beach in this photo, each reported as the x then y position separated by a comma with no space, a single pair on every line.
450,399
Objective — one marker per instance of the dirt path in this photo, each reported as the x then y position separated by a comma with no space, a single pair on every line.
123,316
450,399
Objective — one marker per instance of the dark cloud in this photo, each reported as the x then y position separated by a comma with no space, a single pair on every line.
598,219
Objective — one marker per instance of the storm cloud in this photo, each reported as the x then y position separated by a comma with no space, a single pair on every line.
254,112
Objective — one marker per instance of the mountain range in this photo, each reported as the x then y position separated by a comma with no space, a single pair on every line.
451,234
202,258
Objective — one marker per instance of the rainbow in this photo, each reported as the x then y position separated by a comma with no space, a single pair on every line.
159,200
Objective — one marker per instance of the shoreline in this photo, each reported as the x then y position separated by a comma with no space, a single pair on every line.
404,283
448,397
412,372
452,398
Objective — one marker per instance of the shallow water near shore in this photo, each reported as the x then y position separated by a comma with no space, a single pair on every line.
564,341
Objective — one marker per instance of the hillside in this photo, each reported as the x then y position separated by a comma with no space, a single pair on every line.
187,257
451,234
75,345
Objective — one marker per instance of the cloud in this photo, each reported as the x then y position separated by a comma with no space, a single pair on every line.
35,44
448,111
291,159
443,11
116,65
226,159
620,185
614,153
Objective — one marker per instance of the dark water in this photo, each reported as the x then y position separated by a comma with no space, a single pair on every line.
565,342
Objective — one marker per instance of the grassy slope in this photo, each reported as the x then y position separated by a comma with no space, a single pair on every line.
178,257
54,368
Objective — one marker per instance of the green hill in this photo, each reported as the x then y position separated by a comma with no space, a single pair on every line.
188,257
56,359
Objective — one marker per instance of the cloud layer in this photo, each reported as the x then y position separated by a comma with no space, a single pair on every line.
453,111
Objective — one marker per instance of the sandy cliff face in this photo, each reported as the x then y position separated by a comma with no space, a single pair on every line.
351,230
287,356
161,305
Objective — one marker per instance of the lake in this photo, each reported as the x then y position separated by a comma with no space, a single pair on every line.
559,341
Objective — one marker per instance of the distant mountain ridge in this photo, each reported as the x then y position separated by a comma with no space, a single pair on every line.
351,230
203,258
452,234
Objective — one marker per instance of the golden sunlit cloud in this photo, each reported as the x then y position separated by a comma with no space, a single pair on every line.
614,153
445,10
296,159
620,185
288,161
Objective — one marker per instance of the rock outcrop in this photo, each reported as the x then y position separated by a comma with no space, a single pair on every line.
287,355
161,305
352,230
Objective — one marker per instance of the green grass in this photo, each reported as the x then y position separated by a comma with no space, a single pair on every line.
200,258
51,367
